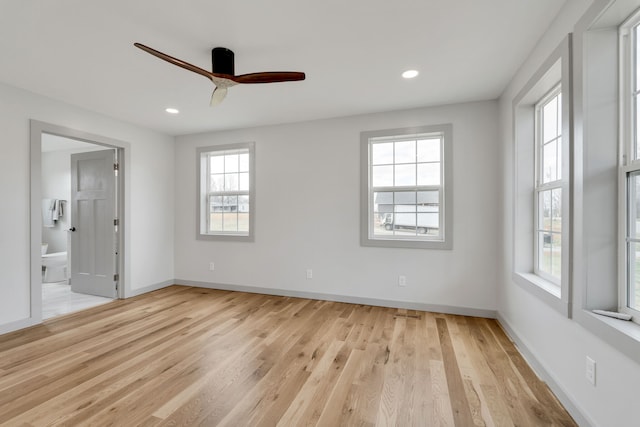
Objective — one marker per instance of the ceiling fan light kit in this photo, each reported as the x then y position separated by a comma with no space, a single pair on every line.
223,71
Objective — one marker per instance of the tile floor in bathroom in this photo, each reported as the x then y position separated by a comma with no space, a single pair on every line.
57,299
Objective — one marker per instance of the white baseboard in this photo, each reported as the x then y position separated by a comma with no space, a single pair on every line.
17,325
437,308
540,369
150,288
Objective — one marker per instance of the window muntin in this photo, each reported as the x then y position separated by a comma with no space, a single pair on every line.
226,191
548,189
406,187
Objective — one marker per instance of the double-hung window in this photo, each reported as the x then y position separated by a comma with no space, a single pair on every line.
406,187
542,181
225,190
548,187
629,193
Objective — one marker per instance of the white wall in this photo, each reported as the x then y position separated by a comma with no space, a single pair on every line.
308,213
149,216
557,345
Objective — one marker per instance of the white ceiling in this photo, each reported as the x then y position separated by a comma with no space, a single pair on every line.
353,52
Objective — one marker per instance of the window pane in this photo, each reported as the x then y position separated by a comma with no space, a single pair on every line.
231,162
428,198
216,164
550,120
382,153
244,181
633,300
550,162
544,252
428,223
229,221
216,204
556,210
556,255
635,38
405,197
429,174
383,202
559,113
217,182
243,221
244,162
231,181
382,176
215,221
429,150
633,204
636,128
544,209
405,152
230,203
405,175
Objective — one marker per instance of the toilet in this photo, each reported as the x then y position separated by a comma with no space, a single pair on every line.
55,267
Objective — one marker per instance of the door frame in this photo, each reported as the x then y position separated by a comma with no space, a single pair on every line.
37,128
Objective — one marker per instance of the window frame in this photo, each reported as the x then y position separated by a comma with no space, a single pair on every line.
444,239
540,186
629,160
555,70
203,193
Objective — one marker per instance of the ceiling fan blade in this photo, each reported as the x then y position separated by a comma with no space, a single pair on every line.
269,77
218,95
175,61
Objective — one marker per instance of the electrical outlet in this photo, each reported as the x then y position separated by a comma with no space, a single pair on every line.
402,280
212,266
590,371
309,273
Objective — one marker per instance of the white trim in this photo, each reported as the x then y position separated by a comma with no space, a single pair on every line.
37,128
150,288
555,71
410,305
202,187
568,401
445,238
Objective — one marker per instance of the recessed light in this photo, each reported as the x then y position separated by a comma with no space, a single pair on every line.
409,74
172,110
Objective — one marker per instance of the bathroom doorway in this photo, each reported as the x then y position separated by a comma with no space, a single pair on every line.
79,220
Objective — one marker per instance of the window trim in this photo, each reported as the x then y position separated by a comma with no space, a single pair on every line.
202,196
628,143
446,188
557,69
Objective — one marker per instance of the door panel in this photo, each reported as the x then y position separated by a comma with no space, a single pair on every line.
93,257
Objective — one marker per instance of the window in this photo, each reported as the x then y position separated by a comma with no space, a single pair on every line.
629,295
548,187
225,190
541,236
406,187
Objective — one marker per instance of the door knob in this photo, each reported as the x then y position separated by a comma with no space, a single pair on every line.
72,229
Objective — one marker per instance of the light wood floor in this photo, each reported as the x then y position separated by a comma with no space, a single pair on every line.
186,356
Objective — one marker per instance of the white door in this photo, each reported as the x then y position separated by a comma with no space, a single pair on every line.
93,234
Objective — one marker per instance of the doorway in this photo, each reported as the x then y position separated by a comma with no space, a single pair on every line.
76,220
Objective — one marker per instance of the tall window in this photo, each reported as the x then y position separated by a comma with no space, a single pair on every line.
629,300
405,187
542,177
548,188
226,191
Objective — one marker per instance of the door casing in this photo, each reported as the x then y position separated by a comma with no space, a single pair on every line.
37,128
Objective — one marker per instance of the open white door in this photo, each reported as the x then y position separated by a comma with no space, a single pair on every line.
93,233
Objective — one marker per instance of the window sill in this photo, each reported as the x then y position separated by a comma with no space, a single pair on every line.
548,292
623,335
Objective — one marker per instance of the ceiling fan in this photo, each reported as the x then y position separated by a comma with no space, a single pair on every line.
223,74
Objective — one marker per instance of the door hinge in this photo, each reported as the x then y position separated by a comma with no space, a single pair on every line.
116,277
116,166
116,222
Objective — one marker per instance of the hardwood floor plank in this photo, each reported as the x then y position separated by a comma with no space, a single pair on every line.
189,356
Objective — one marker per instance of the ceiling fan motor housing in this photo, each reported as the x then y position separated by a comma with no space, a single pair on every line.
222,61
